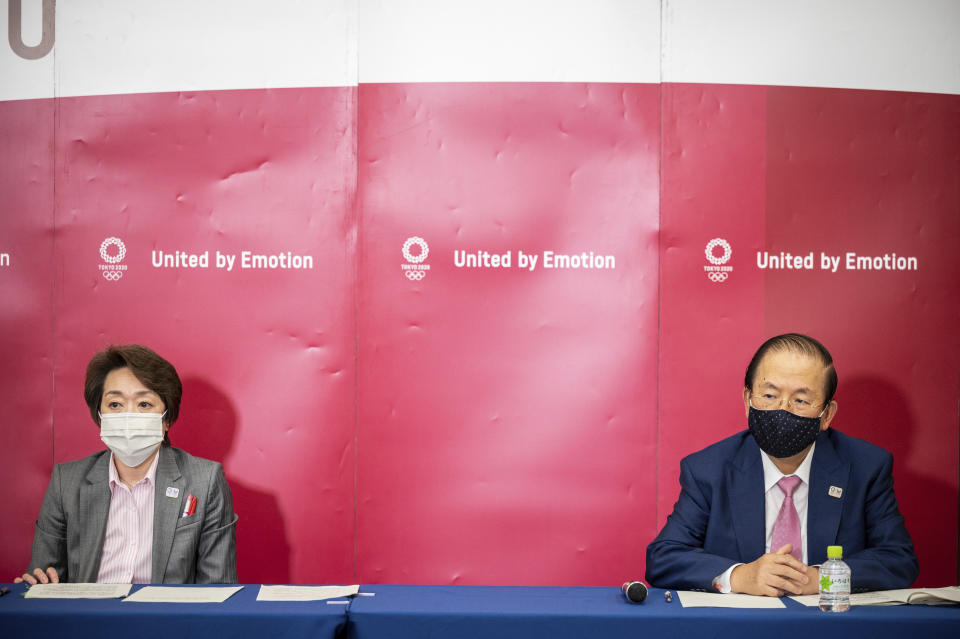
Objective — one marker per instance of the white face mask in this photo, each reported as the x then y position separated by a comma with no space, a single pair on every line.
132,436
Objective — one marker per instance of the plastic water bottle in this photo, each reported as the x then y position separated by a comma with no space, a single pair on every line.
835,582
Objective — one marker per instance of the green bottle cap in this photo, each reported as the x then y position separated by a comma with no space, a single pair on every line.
834,552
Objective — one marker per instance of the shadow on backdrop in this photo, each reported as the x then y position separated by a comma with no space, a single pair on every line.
876,410
207,428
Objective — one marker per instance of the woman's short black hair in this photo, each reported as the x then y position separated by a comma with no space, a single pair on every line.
153,371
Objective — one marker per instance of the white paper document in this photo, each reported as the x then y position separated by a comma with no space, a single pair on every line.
78,591
927,596
184,594
690,599
305,593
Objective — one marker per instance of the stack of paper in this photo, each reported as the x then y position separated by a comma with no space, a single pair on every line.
691,599
78,591
181,594
928,596
305,593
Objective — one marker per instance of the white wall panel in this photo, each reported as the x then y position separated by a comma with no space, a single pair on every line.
144,46
897,45
510,41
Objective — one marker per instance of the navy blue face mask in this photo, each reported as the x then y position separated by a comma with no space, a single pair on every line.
780,433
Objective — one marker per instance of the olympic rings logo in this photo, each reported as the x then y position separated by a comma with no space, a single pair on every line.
415,275
415,259
727,252
112,259
718,277
112,276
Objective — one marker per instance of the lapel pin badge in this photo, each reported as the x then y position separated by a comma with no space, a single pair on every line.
190,507
835,491
175,492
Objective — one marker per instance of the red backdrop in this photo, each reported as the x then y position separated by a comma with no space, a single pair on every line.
505,413
801,170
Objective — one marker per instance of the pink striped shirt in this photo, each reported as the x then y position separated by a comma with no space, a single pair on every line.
128,544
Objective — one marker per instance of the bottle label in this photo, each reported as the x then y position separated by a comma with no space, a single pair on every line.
835,584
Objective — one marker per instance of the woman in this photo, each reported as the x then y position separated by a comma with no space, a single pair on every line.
141,511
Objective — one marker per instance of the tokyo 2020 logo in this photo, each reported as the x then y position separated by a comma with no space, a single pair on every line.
415,270
112,252
717,271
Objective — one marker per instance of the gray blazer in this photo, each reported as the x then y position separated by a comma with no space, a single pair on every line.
200,548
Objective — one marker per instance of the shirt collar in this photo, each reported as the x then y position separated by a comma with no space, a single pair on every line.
772,474
150,477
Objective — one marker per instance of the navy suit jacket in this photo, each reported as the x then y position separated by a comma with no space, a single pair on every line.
719,518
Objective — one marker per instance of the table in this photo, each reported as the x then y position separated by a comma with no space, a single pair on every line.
239,616
469,612
461,612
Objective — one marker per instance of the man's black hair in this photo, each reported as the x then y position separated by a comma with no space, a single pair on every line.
798,344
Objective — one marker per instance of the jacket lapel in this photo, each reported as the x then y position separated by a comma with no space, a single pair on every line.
747,506
95,507
165,511
827,472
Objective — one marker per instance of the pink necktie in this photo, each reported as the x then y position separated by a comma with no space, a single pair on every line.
786,530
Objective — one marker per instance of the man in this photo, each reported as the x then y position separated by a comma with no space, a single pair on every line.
141,511
757,510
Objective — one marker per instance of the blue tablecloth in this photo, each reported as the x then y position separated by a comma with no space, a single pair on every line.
239,616
462,612
467,612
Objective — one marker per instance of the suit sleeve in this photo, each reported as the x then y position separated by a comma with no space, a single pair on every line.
50,532
217,547
887,561
676,558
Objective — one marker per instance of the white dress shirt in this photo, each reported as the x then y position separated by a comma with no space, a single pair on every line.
128,542
773,500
